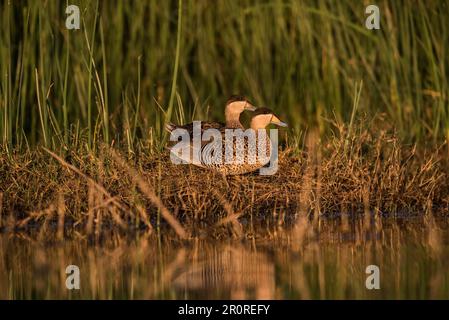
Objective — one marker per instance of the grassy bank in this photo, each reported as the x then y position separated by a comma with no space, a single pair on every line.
360,176
82,112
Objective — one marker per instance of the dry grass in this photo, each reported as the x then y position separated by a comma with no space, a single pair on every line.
86,194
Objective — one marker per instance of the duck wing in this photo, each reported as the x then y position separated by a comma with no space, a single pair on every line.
189,126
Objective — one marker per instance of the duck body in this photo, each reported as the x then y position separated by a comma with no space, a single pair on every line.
233,151
189,126
234,107
241,152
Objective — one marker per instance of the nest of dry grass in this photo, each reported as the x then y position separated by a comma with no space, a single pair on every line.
87,194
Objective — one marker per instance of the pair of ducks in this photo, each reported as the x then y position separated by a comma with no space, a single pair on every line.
240,163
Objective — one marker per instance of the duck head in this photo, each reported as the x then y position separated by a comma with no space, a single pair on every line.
238,104
263,117
234,107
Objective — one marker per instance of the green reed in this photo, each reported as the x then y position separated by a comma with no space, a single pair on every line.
302,58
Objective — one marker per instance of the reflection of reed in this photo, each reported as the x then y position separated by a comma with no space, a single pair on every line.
244,273
413,259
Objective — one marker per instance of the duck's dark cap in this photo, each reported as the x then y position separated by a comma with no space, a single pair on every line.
260,111
235,98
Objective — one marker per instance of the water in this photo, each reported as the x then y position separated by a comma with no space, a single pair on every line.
413,261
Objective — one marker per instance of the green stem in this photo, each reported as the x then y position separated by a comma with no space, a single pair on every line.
175,71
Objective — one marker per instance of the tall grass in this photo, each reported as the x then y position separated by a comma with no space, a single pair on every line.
117,79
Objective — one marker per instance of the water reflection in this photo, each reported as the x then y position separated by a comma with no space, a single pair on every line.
413,261
236,271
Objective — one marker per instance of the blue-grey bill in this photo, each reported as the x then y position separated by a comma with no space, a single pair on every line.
280,124
250,107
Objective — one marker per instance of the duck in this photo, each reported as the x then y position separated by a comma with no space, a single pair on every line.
214,154
236,160
235,106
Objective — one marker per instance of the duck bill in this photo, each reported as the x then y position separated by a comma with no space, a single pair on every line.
276,121
250,107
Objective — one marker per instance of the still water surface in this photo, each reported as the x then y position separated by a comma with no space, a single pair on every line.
413,263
